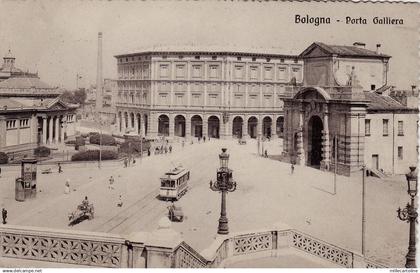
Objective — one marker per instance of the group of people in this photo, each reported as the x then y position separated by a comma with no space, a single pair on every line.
163,149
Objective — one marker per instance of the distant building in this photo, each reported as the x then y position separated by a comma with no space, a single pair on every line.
31,113
342,116
204,93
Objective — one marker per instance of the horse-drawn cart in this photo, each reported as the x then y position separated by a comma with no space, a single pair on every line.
82,212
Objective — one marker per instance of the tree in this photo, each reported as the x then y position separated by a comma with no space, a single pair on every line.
80,96
68,97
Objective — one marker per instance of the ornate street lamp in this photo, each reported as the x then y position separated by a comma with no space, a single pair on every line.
224,183
409,214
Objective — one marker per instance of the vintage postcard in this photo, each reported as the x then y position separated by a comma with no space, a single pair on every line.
208,134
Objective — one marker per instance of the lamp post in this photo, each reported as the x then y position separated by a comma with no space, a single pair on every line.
224,183
409,214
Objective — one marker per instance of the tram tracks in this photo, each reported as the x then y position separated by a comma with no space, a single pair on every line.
146,207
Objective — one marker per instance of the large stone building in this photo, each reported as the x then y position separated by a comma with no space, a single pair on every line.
31,112
342,116
204,93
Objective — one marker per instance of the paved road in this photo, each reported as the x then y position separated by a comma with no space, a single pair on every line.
267,193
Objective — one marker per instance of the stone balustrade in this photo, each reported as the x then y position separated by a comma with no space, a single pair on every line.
163,248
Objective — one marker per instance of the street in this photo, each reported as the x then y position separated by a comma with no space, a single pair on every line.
267,193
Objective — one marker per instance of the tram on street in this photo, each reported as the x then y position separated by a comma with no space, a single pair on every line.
174,184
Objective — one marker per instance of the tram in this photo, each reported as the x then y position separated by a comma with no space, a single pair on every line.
174,184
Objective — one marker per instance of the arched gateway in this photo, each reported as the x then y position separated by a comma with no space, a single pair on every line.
314,117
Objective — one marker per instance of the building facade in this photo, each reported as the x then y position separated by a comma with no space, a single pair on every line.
198,94
334,121
31,113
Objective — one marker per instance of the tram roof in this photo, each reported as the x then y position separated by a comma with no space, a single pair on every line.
175,173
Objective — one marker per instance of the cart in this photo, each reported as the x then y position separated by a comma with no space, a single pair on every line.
175,214
82,212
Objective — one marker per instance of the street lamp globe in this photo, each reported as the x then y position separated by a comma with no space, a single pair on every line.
412,181
224,159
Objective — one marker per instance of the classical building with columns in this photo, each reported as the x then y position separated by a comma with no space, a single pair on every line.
31,112
342,116
204,93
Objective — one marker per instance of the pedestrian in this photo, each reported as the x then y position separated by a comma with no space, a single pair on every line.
292,168
59,168
170,148
148,152
183,143
85,202
111,183
204,138
67,187
125,162
265,153
120,202
4,215
134,161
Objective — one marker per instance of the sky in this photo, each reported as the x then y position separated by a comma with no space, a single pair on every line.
58,39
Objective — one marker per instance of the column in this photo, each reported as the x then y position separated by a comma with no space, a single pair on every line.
300,151
141,129
118,122
136,123
260,125
325,163
50,131
188,126
124,126
274,128
44,130
245,128
62,129
56,124
205,125
171,125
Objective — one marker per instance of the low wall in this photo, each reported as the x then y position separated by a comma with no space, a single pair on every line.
150,250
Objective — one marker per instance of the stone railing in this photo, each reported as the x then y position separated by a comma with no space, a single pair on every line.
163,248
82,248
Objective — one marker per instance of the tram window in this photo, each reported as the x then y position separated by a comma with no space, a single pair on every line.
165,183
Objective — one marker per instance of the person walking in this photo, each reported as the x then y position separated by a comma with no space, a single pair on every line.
170,148
67,187
125,162
120,201
183,143
265,153
292,168
60,170
4,215
111,183
148,152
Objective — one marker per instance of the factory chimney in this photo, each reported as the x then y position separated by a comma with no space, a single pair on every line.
99,80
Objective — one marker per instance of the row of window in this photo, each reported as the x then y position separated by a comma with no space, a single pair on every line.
385,125
14,123
284,73
197,57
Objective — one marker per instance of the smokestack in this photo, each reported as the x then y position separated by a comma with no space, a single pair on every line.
99,81
378,46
